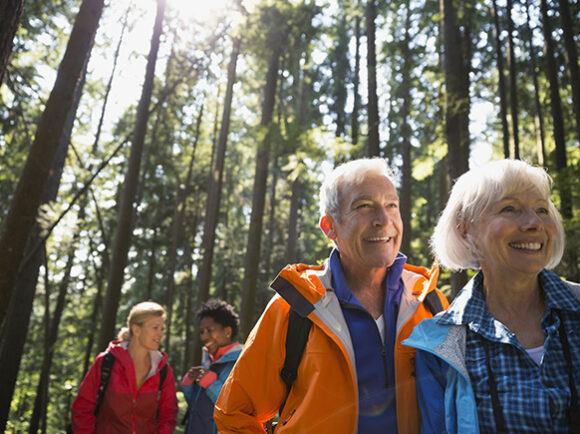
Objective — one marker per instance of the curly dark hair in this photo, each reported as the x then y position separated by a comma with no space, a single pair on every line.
222,313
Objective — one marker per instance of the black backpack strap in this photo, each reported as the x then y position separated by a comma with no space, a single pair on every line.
296,338
106,368
433,303
162,375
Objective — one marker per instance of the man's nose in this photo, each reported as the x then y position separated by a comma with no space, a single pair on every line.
381,216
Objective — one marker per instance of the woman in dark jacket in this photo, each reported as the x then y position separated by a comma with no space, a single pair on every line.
134,401
201,385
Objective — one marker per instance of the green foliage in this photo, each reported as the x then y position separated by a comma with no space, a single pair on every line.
314,95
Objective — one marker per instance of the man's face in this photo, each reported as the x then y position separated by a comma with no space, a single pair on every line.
369,230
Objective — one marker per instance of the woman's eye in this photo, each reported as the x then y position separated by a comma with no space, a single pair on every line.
543,211
508,208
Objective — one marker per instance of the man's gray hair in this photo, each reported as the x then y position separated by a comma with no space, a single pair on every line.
473,193
351,172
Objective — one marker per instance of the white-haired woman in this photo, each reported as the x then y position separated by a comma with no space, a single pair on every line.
139,393
505,356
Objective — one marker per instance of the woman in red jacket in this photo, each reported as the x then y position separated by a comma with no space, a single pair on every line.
134,401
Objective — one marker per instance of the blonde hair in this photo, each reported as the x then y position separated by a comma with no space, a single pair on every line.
140,313
472,194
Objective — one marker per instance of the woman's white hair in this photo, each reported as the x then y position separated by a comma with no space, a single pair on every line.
351,172
472,194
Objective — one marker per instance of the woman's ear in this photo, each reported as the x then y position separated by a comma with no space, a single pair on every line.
327,227
135,330
228,332
463,229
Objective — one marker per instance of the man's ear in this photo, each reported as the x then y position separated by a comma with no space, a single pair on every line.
327,227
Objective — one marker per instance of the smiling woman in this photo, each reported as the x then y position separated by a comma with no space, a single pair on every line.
143,384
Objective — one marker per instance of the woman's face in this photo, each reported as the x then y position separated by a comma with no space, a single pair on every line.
214,335
150,333
515,235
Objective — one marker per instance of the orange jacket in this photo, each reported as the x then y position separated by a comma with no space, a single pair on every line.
324,397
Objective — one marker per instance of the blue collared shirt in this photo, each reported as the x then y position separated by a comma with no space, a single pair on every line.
532,397
375,361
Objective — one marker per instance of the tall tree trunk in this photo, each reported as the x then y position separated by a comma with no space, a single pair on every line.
340,72
556,109
124,224
271,221
28,196
356,82
456,104
406,184
252,258
538,118
373,144
214,191
16,325
10,13
190,314
513,80
571,59
177,232
292,243
51,337
501,82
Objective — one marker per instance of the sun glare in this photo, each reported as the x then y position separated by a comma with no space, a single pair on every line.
200,10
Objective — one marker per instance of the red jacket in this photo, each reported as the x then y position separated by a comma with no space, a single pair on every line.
126,409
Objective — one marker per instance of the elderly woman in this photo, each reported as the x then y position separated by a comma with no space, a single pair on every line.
505,356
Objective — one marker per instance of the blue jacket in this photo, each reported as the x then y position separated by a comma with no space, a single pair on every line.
445,396
200,401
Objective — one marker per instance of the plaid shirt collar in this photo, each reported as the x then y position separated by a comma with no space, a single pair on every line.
469,307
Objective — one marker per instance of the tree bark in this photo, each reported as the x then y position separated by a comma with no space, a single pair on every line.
27,198
177,233
501,82
571,55
10,13
456,104
513,80
215,182
16,325
556,109
356,81
252,258
125,223
538,118
406,184
373,143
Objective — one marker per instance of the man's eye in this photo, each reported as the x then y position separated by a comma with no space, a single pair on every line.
393,205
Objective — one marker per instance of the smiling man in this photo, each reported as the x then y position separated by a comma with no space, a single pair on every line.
354,374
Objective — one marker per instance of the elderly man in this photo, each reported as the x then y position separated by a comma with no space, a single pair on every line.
354,374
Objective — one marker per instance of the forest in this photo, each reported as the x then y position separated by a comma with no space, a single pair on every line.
172,150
